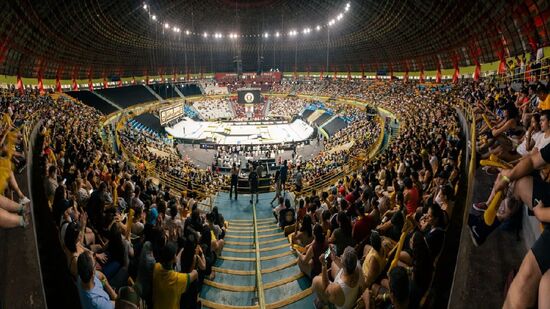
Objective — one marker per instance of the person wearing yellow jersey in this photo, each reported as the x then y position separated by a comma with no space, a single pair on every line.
542,94
168,285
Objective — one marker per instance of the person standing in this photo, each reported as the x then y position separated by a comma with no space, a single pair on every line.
253,183
234,180
284,175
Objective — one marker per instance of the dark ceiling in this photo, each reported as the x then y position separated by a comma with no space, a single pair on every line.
120,37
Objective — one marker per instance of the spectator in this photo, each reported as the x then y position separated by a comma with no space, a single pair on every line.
93,287
308,262
343,291
169,285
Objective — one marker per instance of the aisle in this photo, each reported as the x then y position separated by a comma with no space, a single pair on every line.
235,283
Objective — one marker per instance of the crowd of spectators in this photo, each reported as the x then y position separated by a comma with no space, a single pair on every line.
286,107
128,241
214,109
514,132
347,234
118,226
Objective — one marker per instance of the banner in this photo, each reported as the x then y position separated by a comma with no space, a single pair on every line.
20,85
457,70
57,84
75,86
477,72
40,84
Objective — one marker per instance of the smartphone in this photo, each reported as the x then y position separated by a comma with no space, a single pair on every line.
327,254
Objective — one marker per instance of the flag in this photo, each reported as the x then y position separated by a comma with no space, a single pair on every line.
321,75
90,84
438,74
57,84
133,80
421,74
502,64
362,71
477,72
120,82
40,84
349,72
335,73
105,83
75,86
20,84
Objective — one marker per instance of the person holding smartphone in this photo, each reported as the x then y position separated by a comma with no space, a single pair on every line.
343,291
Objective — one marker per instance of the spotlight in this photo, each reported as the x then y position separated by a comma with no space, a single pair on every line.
318,27
347,8
166,25
145,6
154,17
277,34
205,34
331,22
339,16
175,29
266,35
187,32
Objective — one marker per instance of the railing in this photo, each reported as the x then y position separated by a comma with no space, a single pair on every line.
531,74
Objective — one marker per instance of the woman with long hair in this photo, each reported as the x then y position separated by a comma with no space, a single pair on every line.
309,261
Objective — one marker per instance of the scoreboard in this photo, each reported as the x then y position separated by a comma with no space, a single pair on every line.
249,96
170,113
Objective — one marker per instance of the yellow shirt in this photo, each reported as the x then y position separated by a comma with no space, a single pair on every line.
544,105
168,285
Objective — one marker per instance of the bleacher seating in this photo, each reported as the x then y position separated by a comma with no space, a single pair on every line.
90,99
165,90
189,89
128,96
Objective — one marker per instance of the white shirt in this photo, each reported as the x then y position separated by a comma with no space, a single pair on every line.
541,140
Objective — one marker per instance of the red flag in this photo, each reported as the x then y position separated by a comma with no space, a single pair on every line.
161,78
362,71
20,84
133,80
421,74
147,80
105,83
335,73
349,72
90,84
502,64
438,74
457,70
75,86
477,72
120,82
57,84
40,84
321,75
